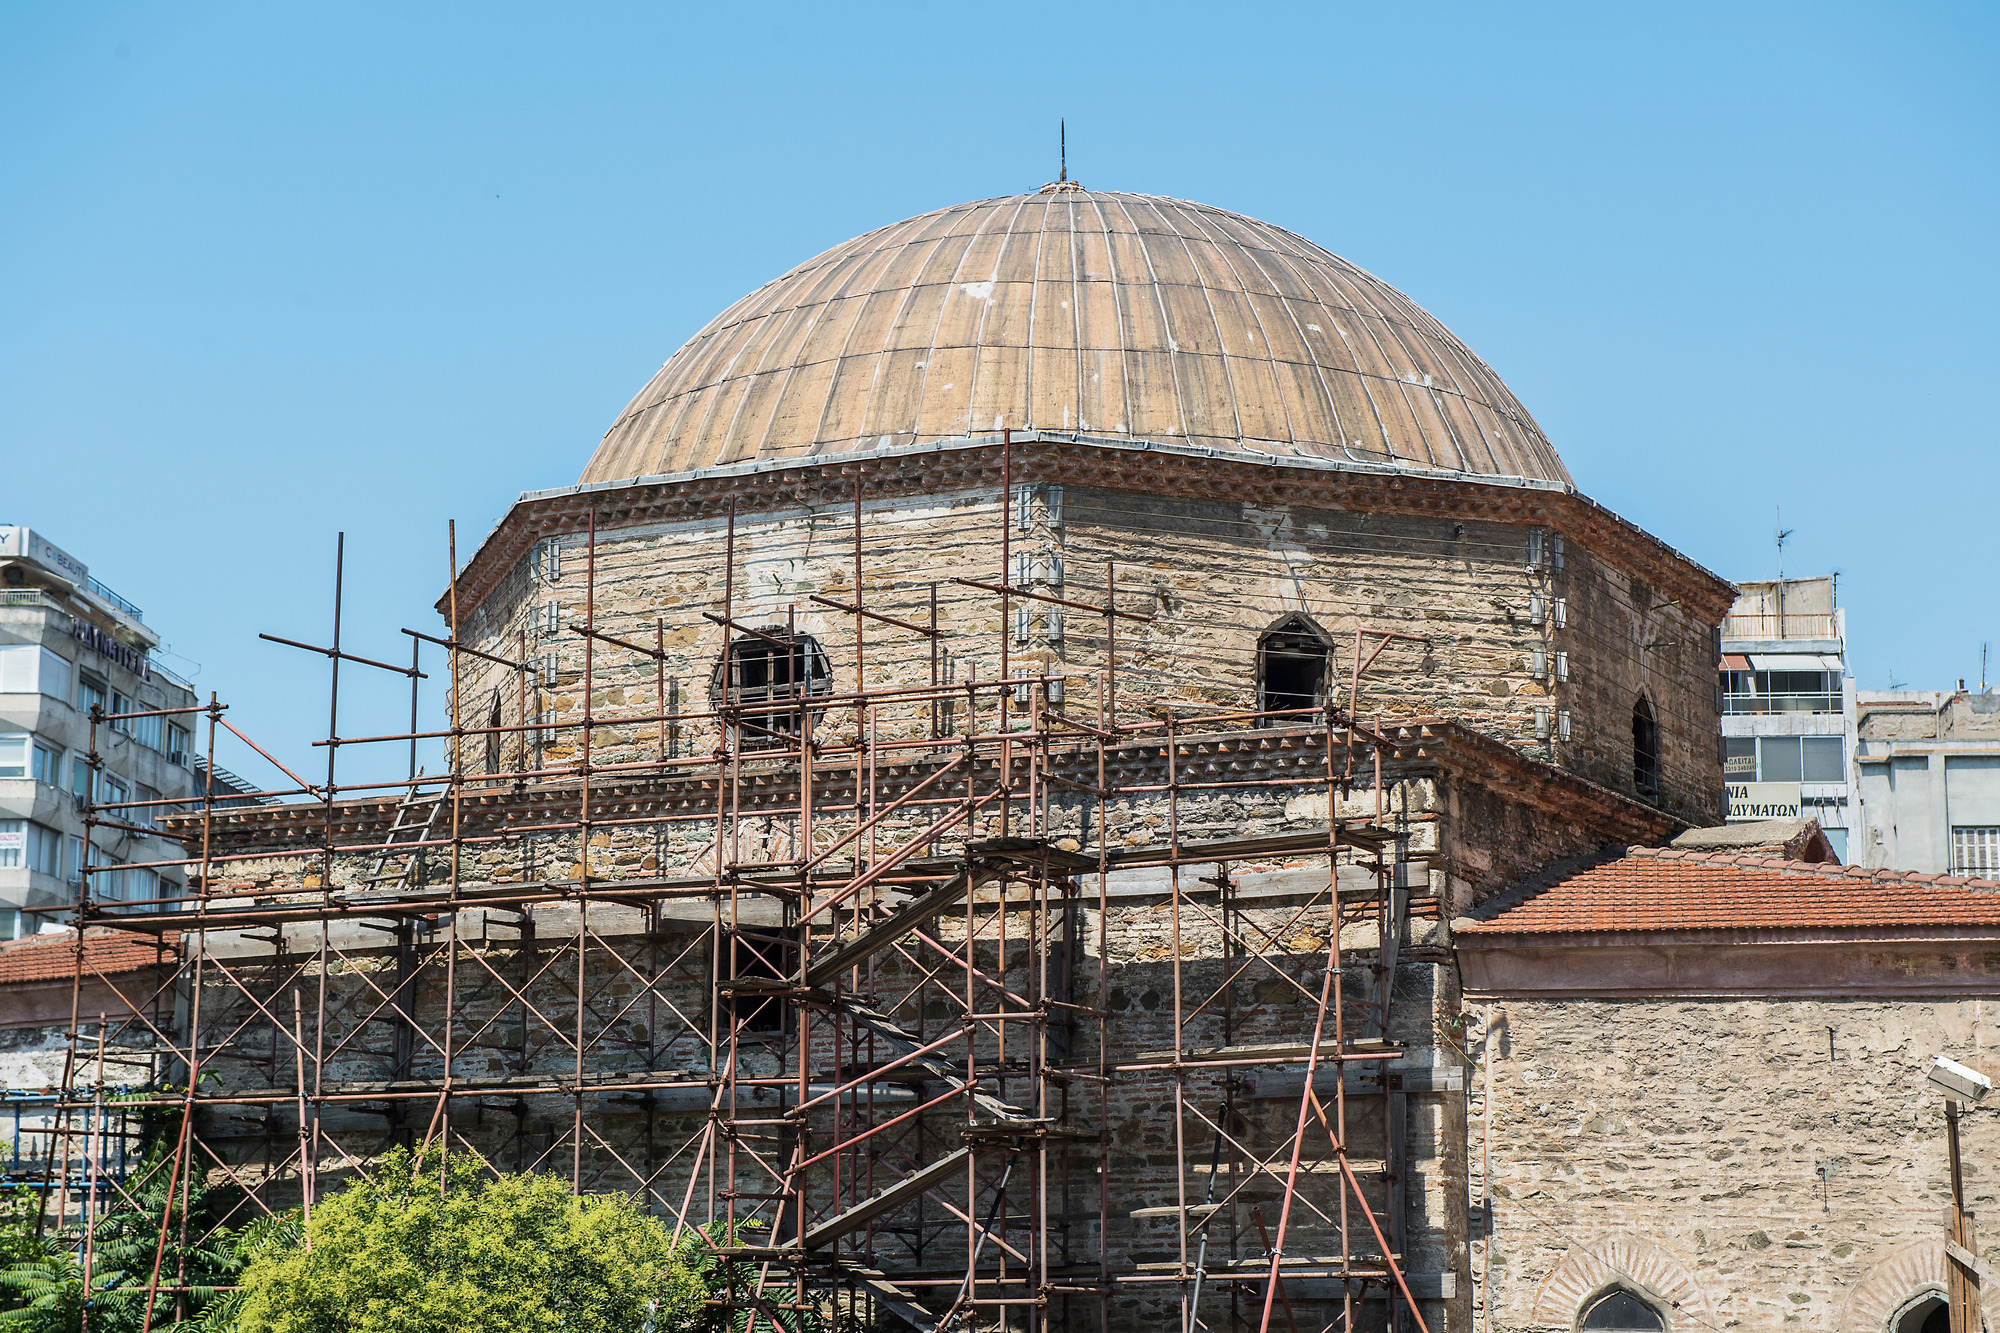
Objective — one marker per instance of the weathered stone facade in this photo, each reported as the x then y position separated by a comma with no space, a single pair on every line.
1702,1077
1465,811
1764,1162
1546,638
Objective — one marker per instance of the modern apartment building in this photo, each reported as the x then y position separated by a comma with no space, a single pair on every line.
68,644
1788,719
1929,780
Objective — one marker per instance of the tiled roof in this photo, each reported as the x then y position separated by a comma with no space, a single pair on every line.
45,958
1662,889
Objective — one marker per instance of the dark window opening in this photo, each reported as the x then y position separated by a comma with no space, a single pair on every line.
770,668
1929,1315
493,735
1622,1311
1292,660
1645,749
756,958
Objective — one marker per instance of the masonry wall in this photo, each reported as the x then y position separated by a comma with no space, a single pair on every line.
1211,576
1764,1163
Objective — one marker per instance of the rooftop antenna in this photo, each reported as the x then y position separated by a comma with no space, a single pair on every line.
1062,132
1983,646
1783,532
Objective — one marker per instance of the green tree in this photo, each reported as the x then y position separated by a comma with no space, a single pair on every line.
436,1243
44,1281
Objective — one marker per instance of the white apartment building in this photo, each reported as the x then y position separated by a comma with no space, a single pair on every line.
68,644
1788,715
1929,767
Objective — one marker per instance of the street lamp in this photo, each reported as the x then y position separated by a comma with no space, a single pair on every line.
1959,1084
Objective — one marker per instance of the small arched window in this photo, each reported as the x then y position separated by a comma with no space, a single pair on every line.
1645,749
771,666
1928,1313
1621,1310
1292,661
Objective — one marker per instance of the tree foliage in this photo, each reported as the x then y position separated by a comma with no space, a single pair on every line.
436,1243
44,1275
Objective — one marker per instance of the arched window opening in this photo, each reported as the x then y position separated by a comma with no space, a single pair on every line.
493,734
1621,1310
1292,660
1928,1313
770,667
1645,749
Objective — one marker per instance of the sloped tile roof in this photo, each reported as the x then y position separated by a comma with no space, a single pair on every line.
1667,889
46,958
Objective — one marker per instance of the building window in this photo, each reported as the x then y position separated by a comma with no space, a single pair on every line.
1645,749
1781,692
1975,851
16,754
767,667
120,704
1929,1313
1739,758
1797,759
760,958
1292,660
29,845
148,731
26,669
80,784
1621,1310
180,744
493,736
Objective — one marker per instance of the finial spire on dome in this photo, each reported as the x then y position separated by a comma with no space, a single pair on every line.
1062,184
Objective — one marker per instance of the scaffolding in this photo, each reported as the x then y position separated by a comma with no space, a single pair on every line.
869,1041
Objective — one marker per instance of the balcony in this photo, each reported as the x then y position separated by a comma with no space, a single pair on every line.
1808,625
1781,703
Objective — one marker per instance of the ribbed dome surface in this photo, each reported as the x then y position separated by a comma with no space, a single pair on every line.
1107,314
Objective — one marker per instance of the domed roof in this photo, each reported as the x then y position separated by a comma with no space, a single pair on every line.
1117,315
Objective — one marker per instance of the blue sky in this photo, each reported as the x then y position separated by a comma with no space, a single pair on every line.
271,271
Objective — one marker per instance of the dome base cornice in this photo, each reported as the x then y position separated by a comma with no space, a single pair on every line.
1169,470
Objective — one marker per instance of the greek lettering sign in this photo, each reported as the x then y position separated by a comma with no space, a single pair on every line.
1751,801
98,641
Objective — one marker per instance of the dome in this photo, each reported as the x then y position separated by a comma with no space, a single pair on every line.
1112,315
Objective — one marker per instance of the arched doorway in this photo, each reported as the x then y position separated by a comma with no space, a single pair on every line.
1621,1310
1928,1313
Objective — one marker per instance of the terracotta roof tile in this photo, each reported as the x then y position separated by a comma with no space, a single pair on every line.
1646,888
45,958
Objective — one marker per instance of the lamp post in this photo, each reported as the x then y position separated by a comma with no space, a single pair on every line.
1962,1276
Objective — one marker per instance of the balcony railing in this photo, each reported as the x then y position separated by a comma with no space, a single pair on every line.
1808,625
1781,703
116,600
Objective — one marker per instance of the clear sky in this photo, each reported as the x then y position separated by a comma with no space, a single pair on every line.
268,272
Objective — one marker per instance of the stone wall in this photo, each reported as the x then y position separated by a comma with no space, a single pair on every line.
1516,644
1763,1163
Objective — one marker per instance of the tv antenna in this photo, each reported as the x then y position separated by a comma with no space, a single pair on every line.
1783,533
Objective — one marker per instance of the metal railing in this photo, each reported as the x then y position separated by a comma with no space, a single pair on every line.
1806,625
115,599
1782,703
